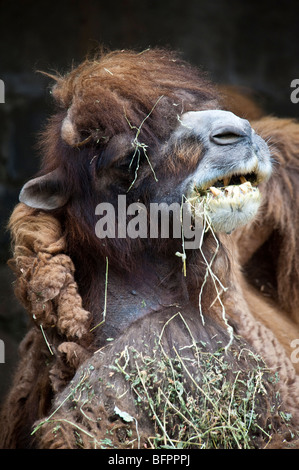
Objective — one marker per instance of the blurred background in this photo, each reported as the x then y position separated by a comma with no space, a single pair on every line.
252,44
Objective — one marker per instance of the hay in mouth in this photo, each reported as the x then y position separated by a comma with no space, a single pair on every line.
229,202
244,182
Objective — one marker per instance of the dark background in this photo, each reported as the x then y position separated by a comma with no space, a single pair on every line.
248,43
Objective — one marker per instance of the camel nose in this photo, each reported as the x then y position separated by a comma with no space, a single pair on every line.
229,134
218,126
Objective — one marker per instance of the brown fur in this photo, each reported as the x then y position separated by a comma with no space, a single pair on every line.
90,402
46,285
60,263
279,212
242,102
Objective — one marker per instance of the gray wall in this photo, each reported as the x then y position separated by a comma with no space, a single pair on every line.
250,43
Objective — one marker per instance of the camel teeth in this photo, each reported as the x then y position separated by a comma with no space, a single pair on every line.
229,190
245,187
226,181
243,179
215,191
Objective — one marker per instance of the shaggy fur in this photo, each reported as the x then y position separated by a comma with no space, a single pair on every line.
136,379
46,288
278,224
61,265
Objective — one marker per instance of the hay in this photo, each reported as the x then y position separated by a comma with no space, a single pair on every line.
200,210
149,398
228,207
140,146
105,298
214,413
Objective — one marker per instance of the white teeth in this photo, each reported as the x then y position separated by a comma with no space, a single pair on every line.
232,190
245,187
215,191
229,190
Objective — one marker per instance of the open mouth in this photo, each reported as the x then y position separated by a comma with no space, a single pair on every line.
229,202
228,185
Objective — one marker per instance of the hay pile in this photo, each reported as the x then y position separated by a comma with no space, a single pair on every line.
181,396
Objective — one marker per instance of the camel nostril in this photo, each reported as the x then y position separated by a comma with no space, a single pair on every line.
227,135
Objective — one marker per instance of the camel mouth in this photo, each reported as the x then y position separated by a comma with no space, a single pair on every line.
228,202
230,184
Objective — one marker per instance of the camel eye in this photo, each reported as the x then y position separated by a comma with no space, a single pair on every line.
132,160
116,153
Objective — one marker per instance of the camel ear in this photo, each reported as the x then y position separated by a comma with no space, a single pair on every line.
45,192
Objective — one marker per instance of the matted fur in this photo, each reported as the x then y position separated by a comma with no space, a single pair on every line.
60,263
46,285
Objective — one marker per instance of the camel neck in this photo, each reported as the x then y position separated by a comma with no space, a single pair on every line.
127,297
